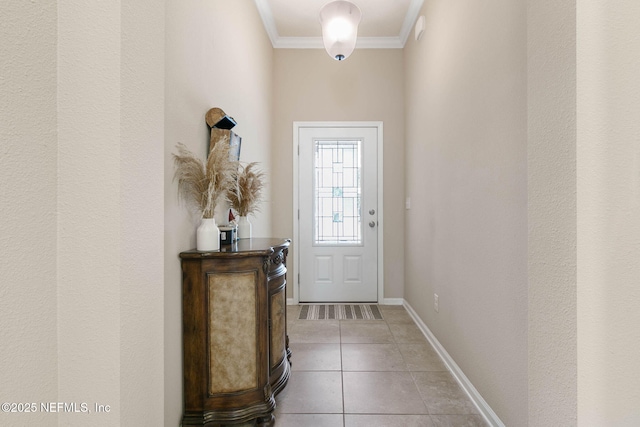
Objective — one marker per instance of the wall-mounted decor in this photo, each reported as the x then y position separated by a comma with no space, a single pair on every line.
220,125
216,118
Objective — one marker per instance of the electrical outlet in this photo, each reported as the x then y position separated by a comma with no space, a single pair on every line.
435,303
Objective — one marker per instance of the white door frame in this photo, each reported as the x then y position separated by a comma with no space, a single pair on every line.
296,204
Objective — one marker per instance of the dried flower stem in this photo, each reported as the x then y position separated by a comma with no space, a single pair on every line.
245,195
201,185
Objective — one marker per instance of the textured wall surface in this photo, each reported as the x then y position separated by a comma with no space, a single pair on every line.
608,167
141,213
466,175
110,169
28,355
217,55
309,86
88,206
551,163
81,217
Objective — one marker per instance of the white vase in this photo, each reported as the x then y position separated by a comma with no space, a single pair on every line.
208,235
244,228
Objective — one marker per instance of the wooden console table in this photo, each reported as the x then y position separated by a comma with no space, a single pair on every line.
235,344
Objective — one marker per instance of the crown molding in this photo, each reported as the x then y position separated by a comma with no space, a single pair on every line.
410,20
279,42
267,20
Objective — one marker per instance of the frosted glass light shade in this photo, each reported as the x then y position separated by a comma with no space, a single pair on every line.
340,21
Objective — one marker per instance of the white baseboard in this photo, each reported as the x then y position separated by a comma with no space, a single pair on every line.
291,301
392,301
484,408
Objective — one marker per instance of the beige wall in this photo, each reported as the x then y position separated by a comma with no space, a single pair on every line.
89,110
551,164
142,105
309,86
608,220
217,55
567,354
466,175
28,200
110,164
83,161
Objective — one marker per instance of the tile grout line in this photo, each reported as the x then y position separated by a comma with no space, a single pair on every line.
413,379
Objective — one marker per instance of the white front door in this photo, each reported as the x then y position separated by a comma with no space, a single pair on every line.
338,216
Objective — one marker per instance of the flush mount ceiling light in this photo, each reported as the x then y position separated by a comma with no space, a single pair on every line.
340,21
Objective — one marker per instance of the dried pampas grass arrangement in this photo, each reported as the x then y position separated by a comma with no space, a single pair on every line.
201,185
245,195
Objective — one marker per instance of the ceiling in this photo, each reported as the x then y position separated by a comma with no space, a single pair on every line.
295,23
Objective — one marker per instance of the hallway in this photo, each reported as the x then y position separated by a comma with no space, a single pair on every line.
375,373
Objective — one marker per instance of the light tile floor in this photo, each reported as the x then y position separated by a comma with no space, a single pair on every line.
375,373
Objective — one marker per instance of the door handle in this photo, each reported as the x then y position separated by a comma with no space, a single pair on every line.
372,224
